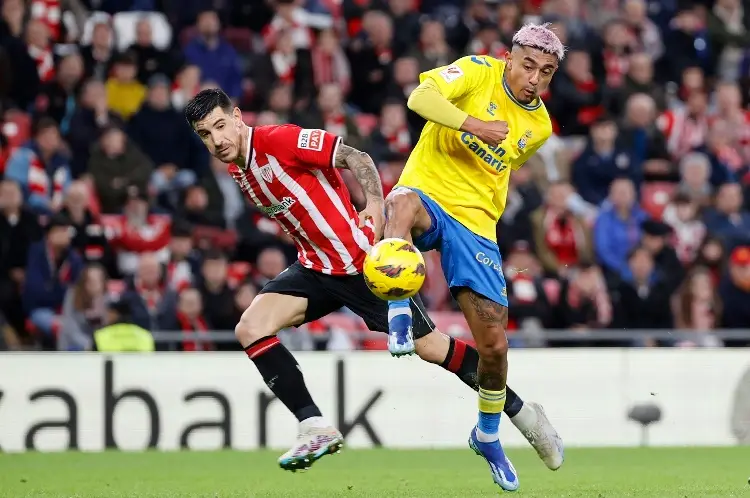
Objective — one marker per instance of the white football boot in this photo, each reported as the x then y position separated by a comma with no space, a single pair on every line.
312,444
540,433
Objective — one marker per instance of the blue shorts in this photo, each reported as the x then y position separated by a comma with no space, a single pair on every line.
468,260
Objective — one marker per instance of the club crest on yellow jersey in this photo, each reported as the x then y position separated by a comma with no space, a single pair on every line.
524,140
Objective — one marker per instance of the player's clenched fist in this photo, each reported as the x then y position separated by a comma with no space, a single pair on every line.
490,132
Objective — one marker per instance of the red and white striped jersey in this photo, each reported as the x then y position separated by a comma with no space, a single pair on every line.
290,176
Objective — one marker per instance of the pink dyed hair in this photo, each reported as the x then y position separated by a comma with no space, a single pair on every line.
541,37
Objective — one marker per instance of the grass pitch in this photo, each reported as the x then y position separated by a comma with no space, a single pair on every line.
598,473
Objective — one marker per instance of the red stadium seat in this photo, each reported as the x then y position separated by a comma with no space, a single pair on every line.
366,123
239,38
453,324
655,196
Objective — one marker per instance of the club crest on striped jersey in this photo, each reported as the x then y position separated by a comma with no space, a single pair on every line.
266,172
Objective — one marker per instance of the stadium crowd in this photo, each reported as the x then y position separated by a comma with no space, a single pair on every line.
633,216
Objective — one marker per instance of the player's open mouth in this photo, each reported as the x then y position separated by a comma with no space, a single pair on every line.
528,93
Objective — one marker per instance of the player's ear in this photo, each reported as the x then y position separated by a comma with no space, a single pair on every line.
237,115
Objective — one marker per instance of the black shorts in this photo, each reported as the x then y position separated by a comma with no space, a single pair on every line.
328,293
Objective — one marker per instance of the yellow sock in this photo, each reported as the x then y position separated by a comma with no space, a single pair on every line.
491,401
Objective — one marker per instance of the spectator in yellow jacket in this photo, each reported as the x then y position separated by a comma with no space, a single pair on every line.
125,93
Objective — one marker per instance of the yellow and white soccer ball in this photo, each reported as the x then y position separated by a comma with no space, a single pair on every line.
394,269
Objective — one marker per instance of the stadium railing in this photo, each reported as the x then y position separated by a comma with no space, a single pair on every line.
533,338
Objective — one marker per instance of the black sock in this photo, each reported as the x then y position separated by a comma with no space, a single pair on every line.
463,361
282,375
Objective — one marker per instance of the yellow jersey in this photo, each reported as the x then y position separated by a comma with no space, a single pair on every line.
465,176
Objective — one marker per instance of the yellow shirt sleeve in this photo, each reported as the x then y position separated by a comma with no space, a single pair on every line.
459,79
427,101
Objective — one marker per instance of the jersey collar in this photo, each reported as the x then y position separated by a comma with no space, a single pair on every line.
509,93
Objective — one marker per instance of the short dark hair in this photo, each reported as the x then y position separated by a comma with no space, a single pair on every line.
44,123
206,101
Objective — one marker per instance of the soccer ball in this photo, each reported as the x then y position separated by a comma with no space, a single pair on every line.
394,269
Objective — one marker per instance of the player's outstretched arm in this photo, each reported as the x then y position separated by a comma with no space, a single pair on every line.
366,174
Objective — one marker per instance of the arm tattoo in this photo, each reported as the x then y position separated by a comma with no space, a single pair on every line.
363,169
488,311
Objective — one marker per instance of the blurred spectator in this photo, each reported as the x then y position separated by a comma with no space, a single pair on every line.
641,300
225,200
186,86
711,255
218,297
685,127
601,162
92,116
689,231
727,219
329,62
529,305
584,300
393,136
735,290
271,261
41,168
291,17
618,228
116,164
639,134
729,109
726,162
331,115
655,238
52,268
371,53
84,310
58,98
89,237
695,171
619,42
19,229
285,64
280,102
190,318
696,306
184,261
243,298
162,134
729,33
434,50
125,93
214,56
99,56
150,60
639,79
578,97
523,199
406,23
121,333
647,35
23,83
38,44
562,240
152,304
139,232
195,209
686,41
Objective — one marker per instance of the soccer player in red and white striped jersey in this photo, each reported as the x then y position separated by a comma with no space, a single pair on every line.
292,175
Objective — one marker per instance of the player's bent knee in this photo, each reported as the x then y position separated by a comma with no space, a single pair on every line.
250,329
403,203
494,346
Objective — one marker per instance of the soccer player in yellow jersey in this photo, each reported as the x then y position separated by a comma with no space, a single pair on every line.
485,119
